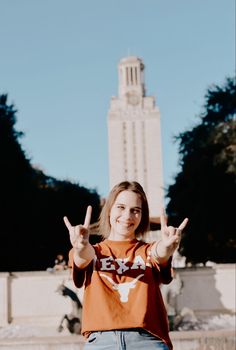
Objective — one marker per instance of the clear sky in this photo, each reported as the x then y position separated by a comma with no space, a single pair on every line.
58,65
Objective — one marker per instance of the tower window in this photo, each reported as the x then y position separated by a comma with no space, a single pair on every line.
127,76
136,75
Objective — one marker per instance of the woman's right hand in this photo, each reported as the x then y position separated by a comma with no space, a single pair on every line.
79,234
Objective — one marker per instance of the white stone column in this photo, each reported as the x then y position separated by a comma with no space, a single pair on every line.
4,299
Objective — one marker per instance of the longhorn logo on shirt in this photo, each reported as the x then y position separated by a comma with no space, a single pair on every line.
123,288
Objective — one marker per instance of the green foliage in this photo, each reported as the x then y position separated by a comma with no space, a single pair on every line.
205,188
32,205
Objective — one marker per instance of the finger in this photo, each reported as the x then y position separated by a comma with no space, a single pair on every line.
163,218
88,217
67,222
183,224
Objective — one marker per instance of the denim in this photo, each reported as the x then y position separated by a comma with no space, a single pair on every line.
124,340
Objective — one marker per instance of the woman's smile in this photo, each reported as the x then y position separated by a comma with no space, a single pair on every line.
125,216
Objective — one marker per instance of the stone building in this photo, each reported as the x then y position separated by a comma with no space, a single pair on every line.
134,135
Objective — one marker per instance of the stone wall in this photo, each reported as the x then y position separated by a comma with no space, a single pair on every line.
208,290
27,297
31,297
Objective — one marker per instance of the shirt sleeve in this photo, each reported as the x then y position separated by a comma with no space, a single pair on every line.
80,275
166,272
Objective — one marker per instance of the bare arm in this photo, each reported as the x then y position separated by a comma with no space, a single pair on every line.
79,236
163,249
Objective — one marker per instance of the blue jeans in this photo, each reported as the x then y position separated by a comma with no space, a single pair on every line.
124,340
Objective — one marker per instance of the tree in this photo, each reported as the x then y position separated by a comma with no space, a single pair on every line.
205,188
15,180
32,204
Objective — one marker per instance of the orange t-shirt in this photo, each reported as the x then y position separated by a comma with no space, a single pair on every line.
122,289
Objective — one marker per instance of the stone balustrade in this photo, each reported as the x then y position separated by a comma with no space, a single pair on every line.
31,298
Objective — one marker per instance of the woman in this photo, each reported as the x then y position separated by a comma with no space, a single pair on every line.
122,305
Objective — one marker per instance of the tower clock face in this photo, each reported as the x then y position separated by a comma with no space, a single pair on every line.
133,98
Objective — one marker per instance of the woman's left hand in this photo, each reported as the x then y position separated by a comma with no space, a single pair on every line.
171,235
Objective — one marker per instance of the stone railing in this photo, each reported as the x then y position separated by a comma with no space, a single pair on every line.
27,297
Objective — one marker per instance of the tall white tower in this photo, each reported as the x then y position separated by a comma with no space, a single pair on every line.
134,135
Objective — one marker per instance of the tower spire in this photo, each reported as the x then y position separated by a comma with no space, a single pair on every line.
131,76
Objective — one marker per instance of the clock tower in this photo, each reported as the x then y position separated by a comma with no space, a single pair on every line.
134,135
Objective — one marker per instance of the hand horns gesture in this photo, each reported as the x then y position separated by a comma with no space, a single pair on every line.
79,234
171,235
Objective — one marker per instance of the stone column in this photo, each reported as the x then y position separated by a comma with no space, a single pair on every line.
4,299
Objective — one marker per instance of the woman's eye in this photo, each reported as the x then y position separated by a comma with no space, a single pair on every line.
120,207
139,211
136,211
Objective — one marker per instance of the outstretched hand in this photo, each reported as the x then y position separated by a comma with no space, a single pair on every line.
171,235
79,234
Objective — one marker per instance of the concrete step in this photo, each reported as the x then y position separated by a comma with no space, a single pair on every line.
188,340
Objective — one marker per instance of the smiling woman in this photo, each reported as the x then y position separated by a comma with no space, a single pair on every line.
129,198
125,216
123,306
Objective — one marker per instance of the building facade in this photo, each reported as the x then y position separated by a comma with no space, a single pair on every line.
134,135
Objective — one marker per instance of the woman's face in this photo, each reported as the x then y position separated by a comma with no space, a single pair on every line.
125,216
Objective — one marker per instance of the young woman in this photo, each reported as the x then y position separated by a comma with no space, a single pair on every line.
122,306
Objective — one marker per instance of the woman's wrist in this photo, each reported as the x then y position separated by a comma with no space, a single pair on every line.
162,253
83,255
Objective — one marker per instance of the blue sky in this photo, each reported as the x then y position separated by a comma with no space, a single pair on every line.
58,65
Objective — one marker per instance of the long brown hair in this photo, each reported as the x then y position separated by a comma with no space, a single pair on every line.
104,220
